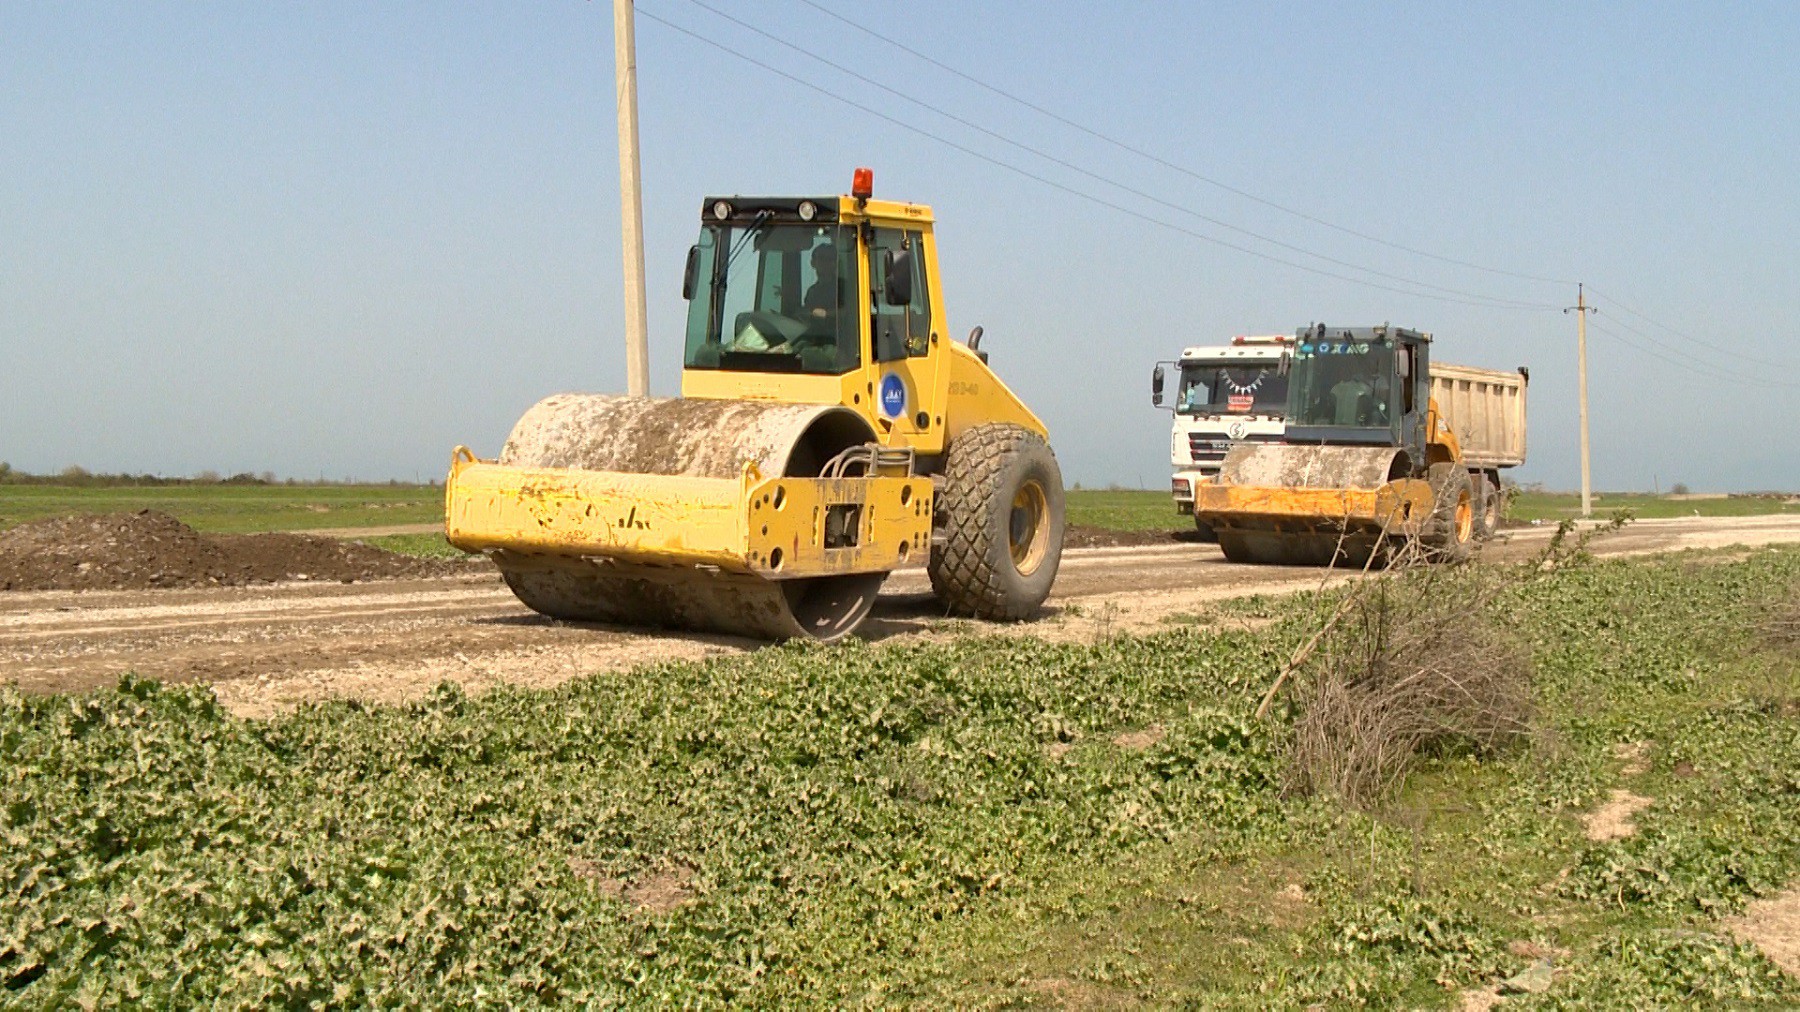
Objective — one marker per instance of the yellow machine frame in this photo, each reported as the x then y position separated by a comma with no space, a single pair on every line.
770,526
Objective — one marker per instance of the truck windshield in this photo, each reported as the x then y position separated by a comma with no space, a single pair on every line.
1232,388
774,298
1342,383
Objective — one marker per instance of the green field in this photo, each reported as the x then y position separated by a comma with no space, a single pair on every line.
974,821
244,508
234,508
1563,505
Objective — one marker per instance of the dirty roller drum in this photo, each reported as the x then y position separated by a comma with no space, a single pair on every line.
1295,541
696,438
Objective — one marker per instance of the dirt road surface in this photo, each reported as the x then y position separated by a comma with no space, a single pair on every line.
266,649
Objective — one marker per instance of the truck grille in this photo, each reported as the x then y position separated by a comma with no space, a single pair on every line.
1211,452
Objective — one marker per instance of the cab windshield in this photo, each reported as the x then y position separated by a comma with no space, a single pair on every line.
774,298
1232,388
1342,383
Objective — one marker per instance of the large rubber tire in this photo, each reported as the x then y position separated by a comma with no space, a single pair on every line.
1001,508
1492,504
1204,533
1450,536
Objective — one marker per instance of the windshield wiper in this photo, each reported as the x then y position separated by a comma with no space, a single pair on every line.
756,223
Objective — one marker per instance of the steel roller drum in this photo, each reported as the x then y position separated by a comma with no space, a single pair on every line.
1288,543
695,438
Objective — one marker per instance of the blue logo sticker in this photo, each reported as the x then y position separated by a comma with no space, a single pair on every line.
893,395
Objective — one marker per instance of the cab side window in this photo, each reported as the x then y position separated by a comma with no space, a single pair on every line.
899,331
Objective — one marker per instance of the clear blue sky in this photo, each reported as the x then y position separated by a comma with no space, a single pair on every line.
338,238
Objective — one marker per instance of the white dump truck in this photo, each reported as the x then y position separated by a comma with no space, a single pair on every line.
1226,394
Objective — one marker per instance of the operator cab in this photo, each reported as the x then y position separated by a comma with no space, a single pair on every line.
775,285
1360,385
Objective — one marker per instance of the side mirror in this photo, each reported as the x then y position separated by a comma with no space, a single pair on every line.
1156,387
688,272
899,270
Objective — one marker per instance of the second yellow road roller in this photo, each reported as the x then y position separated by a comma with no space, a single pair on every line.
829,432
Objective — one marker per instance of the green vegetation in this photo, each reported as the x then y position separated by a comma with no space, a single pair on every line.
1564,505
986,820
1125,510
234,508
424,546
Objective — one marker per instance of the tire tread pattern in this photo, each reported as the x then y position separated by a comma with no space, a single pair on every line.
963,569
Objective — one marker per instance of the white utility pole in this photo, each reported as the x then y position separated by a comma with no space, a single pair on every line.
631,203
1581,309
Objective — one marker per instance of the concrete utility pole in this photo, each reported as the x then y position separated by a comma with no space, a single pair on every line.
631,203
1581,309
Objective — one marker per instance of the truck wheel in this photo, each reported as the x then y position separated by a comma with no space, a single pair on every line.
1002,524
1492,503
1203,532
1451,534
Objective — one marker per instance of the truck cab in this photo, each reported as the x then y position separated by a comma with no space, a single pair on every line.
1225,395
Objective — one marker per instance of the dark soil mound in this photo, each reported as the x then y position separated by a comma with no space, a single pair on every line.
147,549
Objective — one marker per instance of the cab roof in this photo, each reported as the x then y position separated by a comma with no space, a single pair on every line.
1250,352
826,210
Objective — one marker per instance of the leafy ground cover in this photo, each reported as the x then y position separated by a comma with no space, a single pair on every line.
972,821
235,509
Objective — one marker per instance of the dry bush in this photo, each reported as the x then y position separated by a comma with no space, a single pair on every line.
1414,660
1780,628
1418,662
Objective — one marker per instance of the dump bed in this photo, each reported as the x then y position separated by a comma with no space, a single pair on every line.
1486,410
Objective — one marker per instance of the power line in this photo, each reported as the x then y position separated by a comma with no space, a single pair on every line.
1082,194
1499,301
1706,370
1165,163
1689,337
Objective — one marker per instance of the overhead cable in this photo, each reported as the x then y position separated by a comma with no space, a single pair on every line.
1705,370
1616,304
1482,302
1107,181
1165,163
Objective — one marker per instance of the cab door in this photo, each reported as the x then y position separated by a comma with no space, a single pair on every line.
904,340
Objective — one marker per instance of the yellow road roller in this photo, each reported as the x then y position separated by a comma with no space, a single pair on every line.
829,432
1382,447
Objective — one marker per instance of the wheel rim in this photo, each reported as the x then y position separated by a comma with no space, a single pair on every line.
1465,518
1027,528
